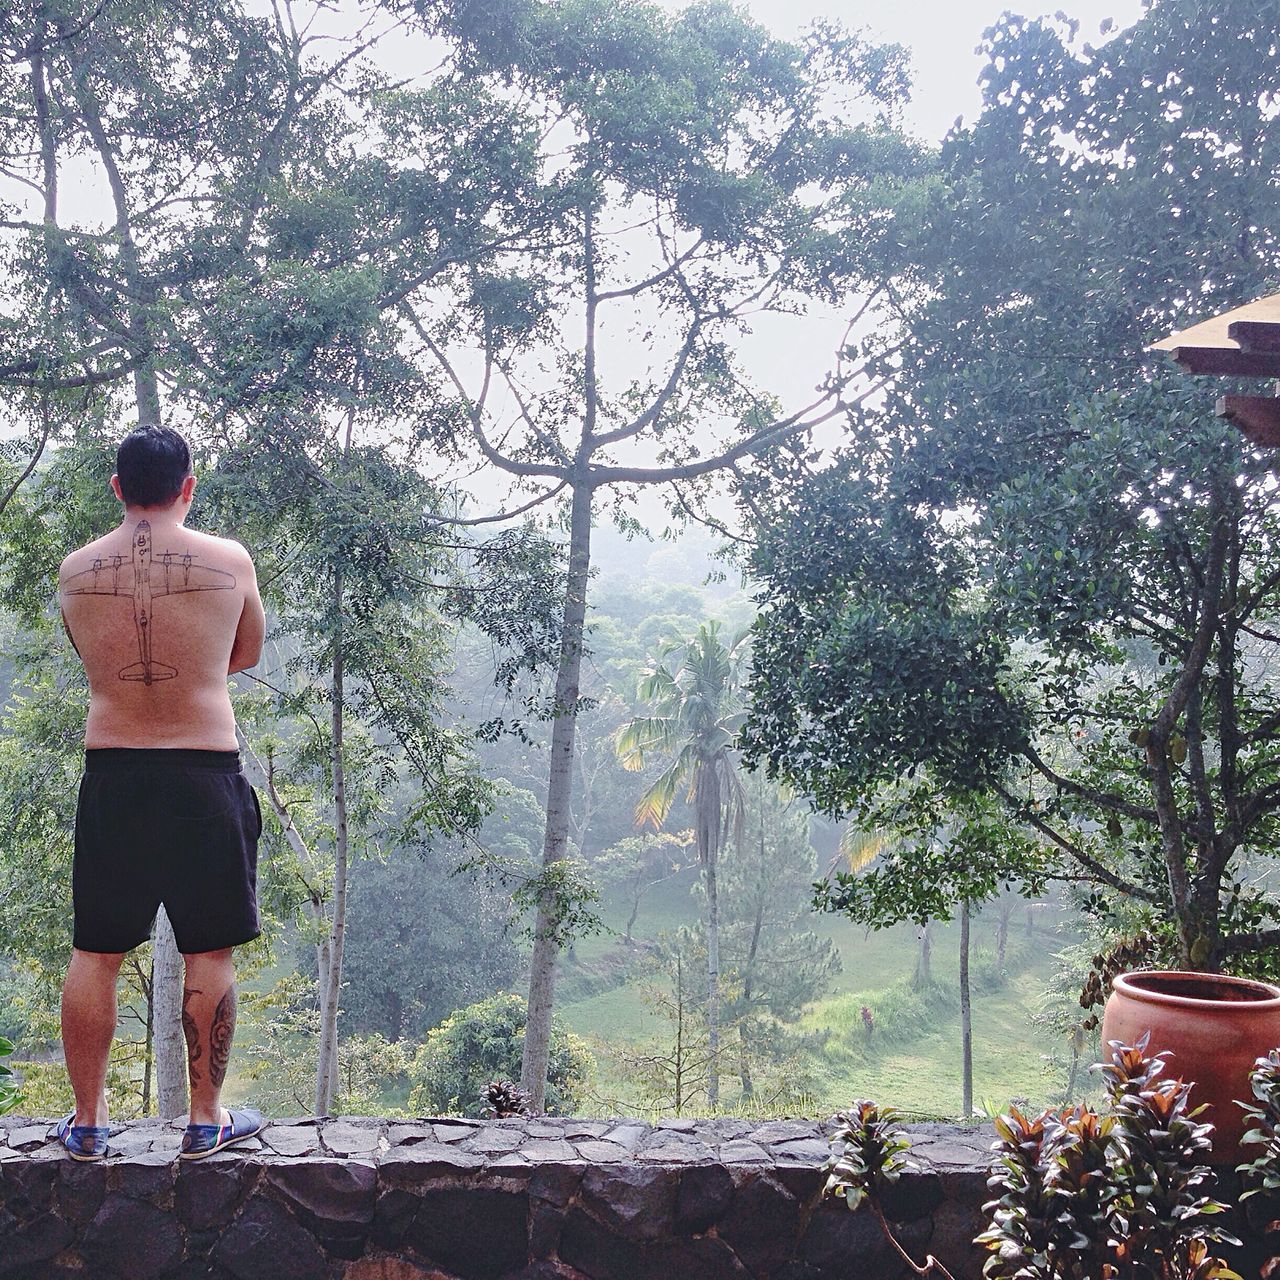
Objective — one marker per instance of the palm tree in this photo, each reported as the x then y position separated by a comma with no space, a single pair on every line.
693,691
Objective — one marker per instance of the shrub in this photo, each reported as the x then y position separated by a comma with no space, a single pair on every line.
10,1096
868,1156
482,1043
1081,1196
1084,1195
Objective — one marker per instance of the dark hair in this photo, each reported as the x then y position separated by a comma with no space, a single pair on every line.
152,463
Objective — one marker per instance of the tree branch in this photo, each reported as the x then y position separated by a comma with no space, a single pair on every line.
1115,804
1094,867
654,411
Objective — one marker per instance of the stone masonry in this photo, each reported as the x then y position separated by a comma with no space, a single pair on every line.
355,1198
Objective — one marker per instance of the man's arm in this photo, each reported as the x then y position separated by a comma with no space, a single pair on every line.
252,628
66,626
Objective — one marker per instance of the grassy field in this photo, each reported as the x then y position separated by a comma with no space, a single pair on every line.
912,1058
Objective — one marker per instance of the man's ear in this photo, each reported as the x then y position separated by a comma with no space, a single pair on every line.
188,489
115,487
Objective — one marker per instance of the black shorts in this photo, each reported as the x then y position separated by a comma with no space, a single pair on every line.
165,826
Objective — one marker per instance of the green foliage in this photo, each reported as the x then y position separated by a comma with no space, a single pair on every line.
692,731
482,1043
671,1070
567,897
1083,1194
773,965
1262,1173
989,589
421,939
868,1156
636,864
10,1094
276,1054
868,1153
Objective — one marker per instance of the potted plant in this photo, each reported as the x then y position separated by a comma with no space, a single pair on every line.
1211,1027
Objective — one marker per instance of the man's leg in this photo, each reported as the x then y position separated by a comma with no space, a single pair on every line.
209,1022
88,1025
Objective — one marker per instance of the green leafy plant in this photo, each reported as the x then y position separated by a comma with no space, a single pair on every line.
1261,1175
1263,1172
10,1094
452,1070
1120,1196
868,1157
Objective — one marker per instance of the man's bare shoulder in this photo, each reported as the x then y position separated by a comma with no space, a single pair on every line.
210,543
83,557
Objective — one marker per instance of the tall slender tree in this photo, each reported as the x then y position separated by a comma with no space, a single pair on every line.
698,175
696,712
183,116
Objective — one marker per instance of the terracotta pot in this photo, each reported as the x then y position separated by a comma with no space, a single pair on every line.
1214,1027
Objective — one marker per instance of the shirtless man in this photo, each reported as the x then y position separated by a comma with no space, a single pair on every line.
160,616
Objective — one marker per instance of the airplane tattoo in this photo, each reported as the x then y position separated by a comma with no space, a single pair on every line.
146,577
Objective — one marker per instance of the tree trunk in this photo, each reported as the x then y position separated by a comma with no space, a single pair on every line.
327,1063
264,779
631,919
170,1044
749,977
924,974
1196,906
713,984
678,1066
1002,929
149,1055
542,966
744,1063
966,1020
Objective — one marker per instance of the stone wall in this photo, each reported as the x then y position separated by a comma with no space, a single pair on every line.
538,1199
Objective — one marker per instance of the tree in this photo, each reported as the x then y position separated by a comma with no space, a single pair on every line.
1046,575
773,965
483,1043
692,731
188,117
675,1070
695,172
110,84
966,1016
424,940
637,864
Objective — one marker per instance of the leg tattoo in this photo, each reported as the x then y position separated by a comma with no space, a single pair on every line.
224,1028
192,1034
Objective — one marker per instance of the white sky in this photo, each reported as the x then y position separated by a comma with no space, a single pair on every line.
942,36
791,354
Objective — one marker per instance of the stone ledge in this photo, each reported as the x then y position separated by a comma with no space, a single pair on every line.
361,1198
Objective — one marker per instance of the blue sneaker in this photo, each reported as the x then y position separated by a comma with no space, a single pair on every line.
82,1141
202,1140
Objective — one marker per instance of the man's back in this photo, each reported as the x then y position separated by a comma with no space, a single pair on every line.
154,610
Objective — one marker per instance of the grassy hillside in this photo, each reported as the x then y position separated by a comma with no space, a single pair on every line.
912,1058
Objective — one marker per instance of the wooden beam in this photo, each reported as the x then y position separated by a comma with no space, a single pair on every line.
1257,417
1228,362
1255,335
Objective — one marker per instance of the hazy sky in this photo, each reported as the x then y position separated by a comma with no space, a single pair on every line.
942,36
790,355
